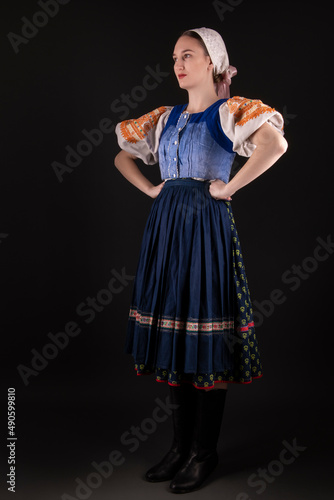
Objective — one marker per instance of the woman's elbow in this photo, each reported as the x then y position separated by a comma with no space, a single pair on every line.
117,159
281,145
271,139
121,156
277,142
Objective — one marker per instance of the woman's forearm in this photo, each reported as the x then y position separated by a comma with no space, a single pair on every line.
125,163
268,151
270,146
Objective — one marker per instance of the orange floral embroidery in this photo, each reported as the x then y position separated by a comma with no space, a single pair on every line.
136,130
247,109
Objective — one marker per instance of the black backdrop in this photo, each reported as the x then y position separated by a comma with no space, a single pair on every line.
70,224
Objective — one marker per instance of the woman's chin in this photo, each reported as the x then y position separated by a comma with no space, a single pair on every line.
183,85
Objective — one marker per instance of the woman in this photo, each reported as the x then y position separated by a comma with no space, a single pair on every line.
191,319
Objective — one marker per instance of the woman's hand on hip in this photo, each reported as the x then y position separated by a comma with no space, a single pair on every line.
219,190
154,191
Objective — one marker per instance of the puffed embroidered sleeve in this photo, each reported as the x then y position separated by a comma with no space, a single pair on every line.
141,136
241,117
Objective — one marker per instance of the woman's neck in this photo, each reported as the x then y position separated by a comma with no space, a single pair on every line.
200,101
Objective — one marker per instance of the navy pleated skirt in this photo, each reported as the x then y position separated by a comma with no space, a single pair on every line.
191,316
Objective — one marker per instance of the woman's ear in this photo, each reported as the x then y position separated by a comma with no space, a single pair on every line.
210,66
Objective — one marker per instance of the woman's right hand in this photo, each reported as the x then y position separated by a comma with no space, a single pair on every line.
154,191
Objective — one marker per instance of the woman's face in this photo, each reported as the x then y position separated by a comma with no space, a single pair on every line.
192,66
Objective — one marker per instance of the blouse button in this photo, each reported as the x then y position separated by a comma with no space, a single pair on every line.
175,142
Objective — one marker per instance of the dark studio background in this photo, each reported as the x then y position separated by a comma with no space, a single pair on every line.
61,240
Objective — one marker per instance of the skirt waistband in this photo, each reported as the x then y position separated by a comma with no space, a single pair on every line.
186,182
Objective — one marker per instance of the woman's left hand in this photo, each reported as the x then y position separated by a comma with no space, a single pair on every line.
218,190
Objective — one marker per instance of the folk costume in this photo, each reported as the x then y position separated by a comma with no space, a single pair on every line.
191,320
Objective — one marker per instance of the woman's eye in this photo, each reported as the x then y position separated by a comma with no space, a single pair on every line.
185,56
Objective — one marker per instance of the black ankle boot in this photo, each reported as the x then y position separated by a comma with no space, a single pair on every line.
183,418
203,457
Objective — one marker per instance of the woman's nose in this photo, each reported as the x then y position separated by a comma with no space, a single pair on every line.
179,65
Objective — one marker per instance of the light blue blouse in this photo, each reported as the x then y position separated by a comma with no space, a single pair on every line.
194,145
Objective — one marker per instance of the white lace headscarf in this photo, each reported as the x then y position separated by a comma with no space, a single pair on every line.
216,48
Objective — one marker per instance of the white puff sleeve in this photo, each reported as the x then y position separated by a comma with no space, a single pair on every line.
141,136
241,117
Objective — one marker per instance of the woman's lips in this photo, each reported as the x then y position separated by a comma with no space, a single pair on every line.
182,75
